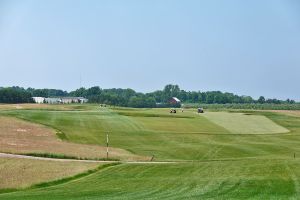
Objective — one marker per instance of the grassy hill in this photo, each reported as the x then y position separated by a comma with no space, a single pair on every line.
221,154
255,179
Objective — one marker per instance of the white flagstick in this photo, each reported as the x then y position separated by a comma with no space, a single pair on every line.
107,146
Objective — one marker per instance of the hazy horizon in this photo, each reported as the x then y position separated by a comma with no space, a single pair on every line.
246,48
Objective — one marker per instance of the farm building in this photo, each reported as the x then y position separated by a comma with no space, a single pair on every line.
52,100
38,99
174,101
73,100
60,100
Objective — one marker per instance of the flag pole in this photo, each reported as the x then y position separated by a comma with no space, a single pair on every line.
107,146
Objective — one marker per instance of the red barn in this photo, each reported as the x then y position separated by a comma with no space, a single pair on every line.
174,101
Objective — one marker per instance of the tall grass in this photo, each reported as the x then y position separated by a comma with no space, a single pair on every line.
63,156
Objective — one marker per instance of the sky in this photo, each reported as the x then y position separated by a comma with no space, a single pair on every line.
245,47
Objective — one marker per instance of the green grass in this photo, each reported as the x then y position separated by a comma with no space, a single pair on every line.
188,136
240,123
234,155
158,136
260,179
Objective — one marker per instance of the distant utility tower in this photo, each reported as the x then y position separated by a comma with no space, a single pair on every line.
80,82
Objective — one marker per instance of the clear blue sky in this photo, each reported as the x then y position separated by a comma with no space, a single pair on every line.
245,47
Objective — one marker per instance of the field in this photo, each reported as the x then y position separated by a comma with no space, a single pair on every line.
219,155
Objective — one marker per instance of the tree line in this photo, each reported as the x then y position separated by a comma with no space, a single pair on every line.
131,98
20,95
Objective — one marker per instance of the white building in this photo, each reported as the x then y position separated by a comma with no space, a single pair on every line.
39,99
60,100
53,100
73,100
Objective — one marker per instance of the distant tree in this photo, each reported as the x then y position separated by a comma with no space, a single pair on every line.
15,95
210,98
170,91
290,101
128,97
246,99
261,100
142,102
81,92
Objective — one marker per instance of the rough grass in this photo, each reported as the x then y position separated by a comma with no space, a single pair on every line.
70,178
20,173
295,113
63,156
240,123
34,106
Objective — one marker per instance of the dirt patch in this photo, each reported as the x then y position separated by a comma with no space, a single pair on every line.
18,136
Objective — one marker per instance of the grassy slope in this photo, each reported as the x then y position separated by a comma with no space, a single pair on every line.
262,165
16,172
260,179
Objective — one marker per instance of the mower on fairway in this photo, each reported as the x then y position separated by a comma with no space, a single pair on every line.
173,110
200,110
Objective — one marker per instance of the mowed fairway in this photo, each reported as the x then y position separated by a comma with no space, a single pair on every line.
240,123
219,155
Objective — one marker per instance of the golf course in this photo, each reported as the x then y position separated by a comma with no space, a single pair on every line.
149,100
152,154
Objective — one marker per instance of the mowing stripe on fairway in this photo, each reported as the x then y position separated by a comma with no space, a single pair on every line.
240,123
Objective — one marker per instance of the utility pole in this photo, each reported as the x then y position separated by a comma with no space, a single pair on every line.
107,146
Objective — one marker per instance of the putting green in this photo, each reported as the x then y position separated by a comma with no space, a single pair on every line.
240,123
